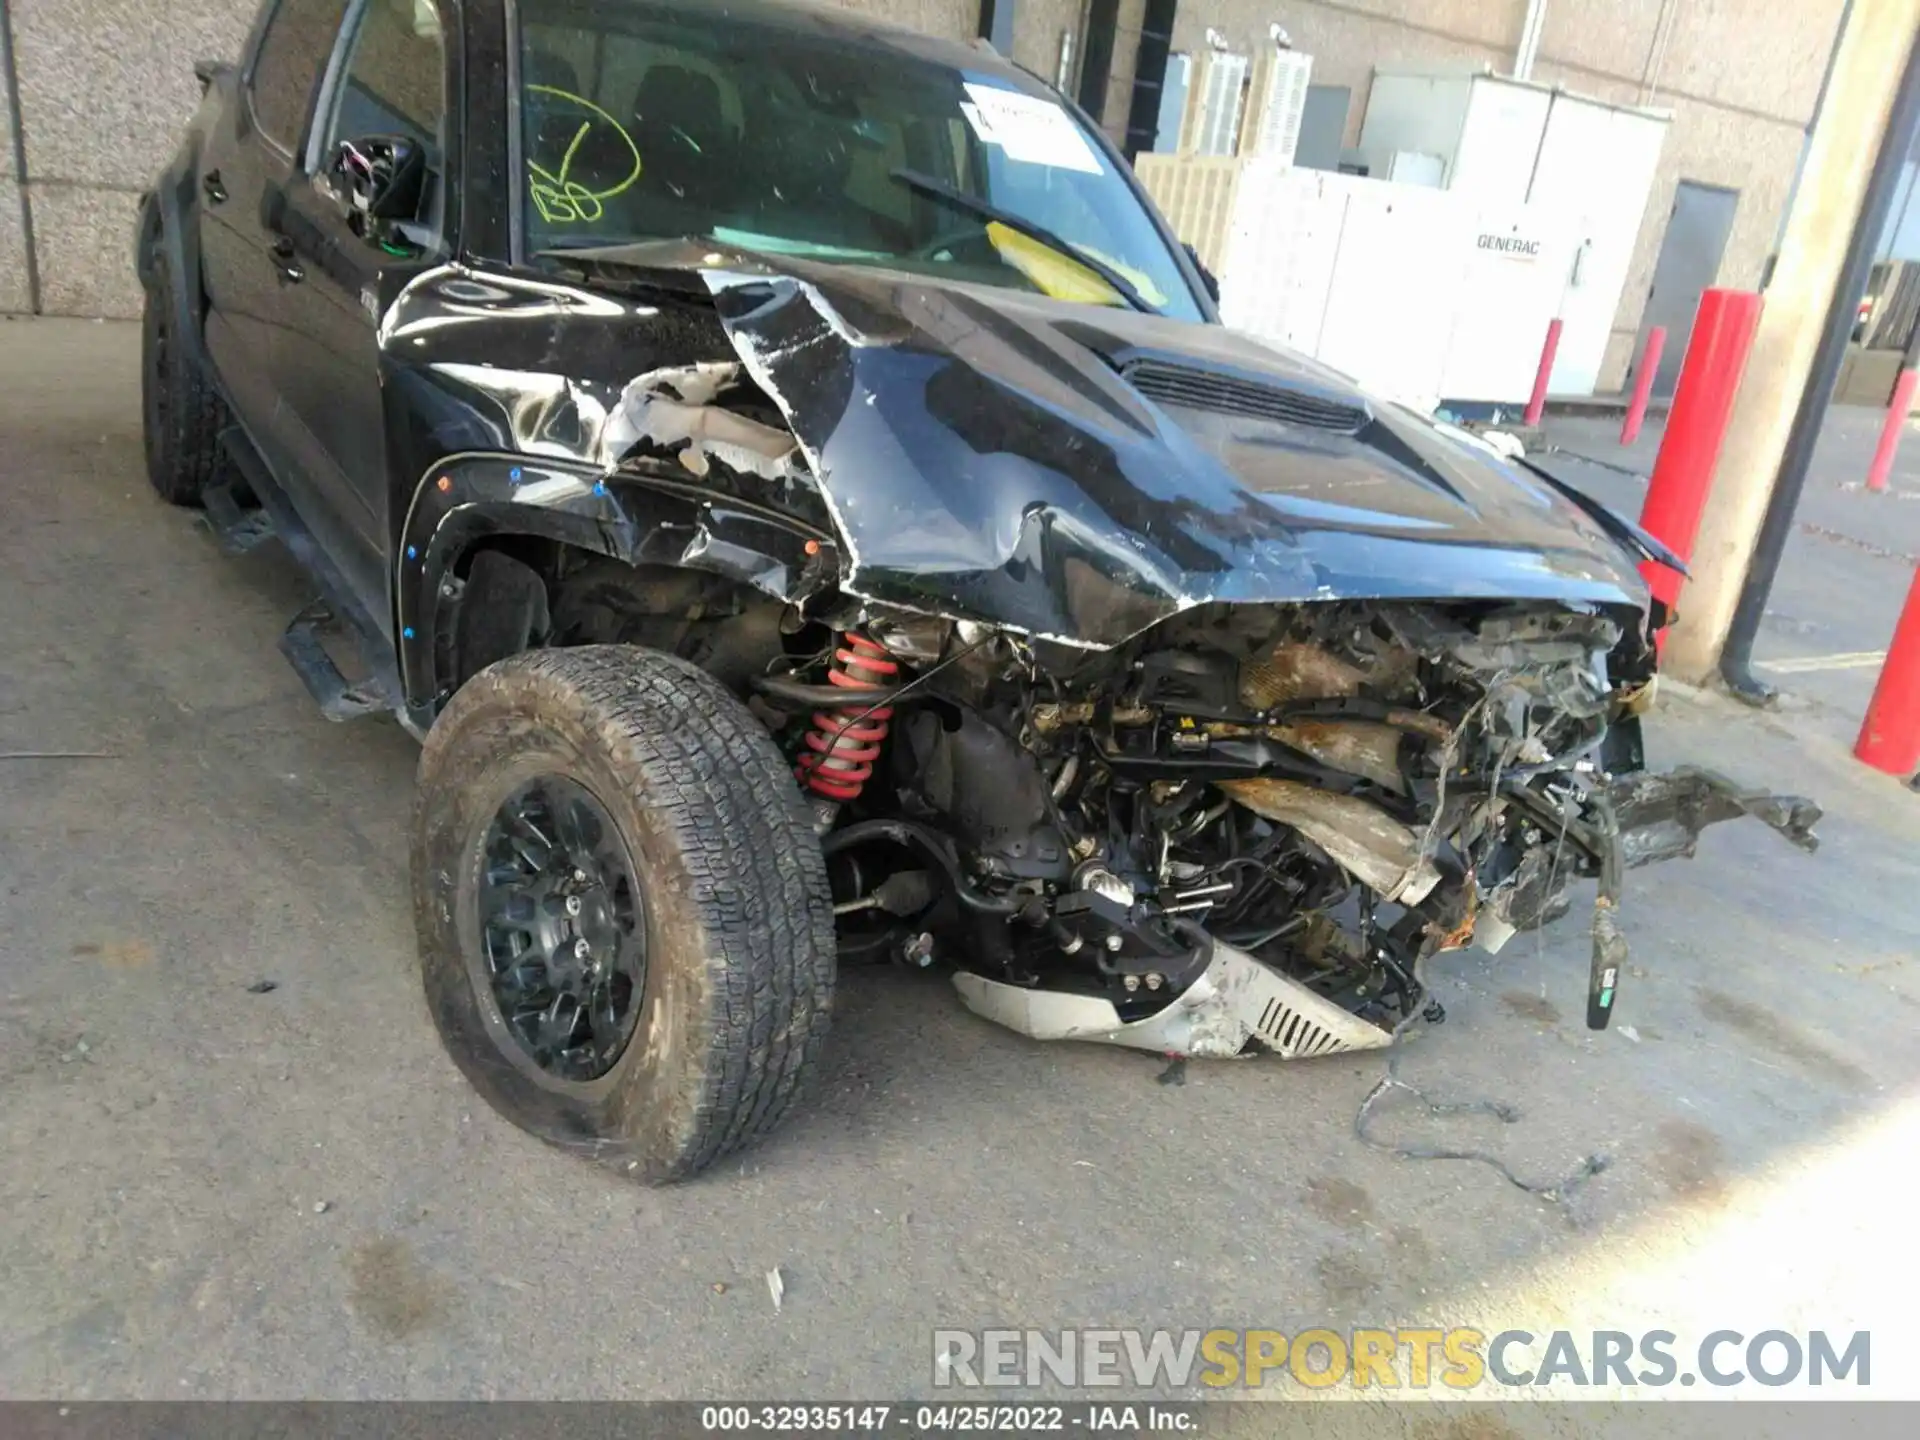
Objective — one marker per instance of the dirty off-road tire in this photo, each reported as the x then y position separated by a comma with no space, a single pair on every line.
182,414
711,866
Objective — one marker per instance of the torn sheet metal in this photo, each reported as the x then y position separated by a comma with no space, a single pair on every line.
1070,471
638,519
615,375
675,409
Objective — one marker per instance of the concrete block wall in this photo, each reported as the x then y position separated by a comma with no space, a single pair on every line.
1741,78
104,87
1038,26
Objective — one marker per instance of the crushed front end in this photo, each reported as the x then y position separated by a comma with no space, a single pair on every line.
1130,687
1249,825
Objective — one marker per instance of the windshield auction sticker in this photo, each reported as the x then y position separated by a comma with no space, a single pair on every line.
1028,128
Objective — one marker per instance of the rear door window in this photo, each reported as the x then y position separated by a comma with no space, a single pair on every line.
299,39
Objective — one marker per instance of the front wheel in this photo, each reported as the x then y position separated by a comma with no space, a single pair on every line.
625,928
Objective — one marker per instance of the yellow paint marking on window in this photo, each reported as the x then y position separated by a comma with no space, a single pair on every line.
560,199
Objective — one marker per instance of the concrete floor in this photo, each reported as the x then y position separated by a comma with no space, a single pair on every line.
168,1139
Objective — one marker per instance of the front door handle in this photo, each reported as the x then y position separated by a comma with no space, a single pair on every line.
214,188
285,257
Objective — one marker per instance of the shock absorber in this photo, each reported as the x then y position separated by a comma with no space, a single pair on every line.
841,747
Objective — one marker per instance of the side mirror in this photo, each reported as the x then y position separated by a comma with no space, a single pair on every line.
382,180
1207,277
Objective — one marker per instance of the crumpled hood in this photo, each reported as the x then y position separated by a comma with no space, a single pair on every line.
985,455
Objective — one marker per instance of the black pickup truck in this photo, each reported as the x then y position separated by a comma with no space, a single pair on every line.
800,491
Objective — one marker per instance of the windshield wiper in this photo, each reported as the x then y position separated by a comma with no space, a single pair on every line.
987,210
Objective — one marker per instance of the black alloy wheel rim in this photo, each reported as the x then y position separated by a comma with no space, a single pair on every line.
562,929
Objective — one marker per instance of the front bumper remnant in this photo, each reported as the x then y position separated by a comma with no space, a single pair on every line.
1661,816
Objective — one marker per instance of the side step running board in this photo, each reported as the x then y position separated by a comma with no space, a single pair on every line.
236,530
337,697
337,611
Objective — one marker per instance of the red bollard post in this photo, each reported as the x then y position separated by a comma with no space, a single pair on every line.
1890,433
1890,738
1643,384
1537,405
1723,329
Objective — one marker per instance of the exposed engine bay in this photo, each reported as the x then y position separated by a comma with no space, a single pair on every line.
1246,827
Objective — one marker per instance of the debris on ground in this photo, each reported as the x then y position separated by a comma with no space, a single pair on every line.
320,1207
1558,1192
263,987
776,1286
1176,1071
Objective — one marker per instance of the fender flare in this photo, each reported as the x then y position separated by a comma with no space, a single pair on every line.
166,214
643,520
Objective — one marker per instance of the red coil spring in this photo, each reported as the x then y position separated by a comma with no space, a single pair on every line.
845,745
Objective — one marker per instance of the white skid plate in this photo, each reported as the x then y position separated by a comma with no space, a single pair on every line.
1236,999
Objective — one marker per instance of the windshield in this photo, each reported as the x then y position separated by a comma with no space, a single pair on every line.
643,124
